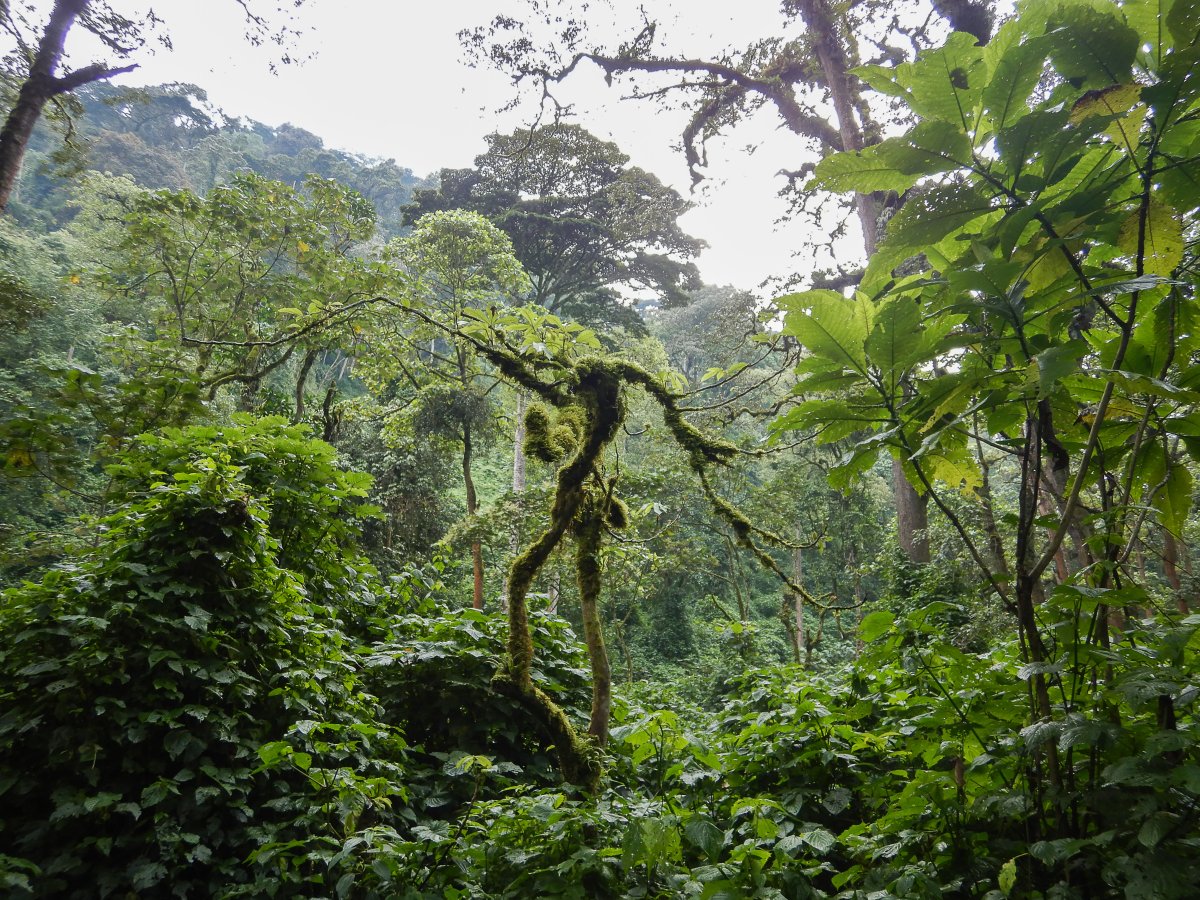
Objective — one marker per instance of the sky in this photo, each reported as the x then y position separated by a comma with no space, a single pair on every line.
387,79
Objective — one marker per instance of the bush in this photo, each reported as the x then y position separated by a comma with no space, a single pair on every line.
171,709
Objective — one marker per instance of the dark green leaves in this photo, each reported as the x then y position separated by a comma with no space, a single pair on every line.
1091,46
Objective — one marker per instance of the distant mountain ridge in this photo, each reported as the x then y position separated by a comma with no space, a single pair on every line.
171,136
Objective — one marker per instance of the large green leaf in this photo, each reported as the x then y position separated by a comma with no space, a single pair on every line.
897,163
1038,141
835,418
945,83
926,220
875,625
1183,23
1013,78
1054,363
895,342
1092,47
1174,500
829,325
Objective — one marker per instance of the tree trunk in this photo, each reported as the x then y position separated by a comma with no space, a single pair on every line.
302,382
912,509
472,508
798,603
987,512
1171,570
39,88
553,593
912,516
1028,588
587,561
518,483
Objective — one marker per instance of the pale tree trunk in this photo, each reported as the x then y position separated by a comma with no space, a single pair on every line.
40,88
1047,508
912,516
912,509
518,483
553,593
472,508
798,604
852,564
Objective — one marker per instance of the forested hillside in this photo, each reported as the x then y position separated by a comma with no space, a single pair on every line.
169,136
372,535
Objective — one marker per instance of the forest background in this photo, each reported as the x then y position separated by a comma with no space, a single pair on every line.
375,535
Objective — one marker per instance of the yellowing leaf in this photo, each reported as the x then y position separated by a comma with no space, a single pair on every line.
75,279
1050,266
1110,101
302,247
20,458
1160,239
1126,131
1008,877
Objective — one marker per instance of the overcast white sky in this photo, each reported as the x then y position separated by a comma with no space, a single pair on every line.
387,79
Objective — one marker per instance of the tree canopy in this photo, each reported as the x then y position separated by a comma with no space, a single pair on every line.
580,218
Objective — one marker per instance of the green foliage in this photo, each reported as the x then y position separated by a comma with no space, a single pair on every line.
214,694
1053,260
412,484
432,674
189,704
580,219
228,287
304,484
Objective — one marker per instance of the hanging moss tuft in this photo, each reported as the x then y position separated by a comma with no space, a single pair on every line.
537,433
617,514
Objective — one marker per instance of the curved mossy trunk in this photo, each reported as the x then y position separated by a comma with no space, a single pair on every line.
584,504
587,557
598,392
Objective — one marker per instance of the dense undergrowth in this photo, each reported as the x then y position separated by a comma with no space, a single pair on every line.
220,698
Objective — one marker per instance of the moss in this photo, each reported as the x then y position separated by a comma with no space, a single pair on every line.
617,514
587,568
573,418
592,418
538,443
578,756
552,437
589,407
564,440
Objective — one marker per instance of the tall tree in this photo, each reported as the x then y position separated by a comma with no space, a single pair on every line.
808,81
1053,320
580,218
230,287
456,263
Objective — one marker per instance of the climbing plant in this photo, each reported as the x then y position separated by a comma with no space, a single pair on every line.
1047,326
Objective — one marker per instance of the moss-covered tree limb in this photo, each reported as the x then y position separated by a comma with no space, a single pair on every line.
587,566
587,395
598,391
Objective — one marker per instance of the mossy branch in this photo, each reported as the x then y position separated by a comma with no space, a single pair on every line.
588,396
